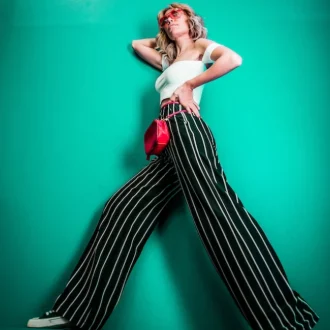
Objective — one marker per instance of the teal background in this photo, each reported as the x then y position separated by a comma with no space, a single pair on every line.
74,104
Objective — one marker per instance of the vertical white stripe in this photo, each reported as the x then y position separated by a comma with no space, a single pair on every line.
309,314
305,303
213,150
201,135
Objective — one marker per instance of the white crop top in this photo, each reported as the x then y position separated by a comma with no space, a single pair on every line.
177,73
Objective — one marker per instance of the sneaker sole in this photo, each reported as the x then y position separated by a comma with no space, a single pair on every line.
37,323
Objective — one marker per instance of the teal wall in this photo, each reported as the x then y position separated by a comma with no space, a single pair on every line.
74,104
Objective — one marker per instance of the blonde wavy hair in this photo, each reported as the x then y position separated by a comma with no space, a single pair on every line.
197,30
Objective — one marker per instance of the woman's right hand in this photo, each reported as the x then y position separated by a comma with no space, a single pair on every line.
145,48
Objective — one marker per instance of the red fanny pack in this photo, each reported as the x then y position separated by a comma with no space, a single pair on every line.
157,135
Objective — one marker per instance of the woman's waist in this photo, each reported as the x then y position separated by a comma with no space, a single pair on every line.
168,107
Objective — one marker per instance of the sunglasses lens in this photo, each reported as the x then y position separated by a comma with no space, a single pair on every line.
174,13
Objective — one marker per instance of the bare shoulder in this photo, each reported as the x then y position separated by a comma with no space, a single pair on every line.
202,43
219,50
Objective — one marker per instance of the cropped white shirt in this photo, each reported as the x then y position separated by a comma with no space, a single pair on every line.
177,73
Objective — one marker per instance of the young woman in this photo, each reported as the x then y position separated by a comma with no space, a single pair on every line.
238,247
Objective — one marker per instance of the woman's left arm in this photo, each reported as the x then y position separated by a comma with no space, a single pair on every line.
225,60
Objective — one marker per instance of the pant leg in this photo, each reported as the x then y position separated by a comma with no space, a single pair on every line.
238,247
127,220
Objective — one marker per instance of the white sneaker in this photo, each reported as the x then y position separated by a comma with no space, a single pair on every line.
51,320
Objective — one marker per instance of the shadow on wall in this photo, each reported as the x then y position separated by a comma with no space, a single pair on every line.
148,109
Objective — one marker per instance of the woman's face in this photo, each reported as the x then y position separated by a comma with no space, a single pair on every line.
175,23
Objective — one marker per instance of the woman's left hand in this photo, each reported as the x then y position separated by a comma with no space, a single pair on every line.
184,94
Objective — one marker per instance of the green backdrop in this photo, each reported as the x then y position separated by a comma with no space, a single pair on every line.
74,104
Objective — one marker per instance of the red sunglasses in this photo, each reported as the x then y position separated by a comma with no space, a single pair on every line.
174,14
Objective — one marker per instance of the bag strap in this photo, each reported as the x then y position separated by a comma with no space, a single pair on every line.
169,102
174,113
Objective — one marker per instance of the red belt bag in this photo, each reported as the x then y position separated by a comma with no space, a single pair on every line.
157,136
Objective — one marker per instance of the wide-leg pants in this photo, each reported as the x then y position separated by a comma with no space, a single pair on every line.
236,244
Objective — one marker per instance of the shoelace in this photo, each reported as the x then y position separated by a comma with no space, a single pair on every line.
50,312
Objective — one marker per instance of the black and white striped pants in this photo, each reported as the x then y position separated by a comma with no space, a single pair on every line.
236,244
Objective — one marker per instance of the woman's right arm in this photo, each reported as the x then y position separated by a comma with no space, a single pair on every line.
145,48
